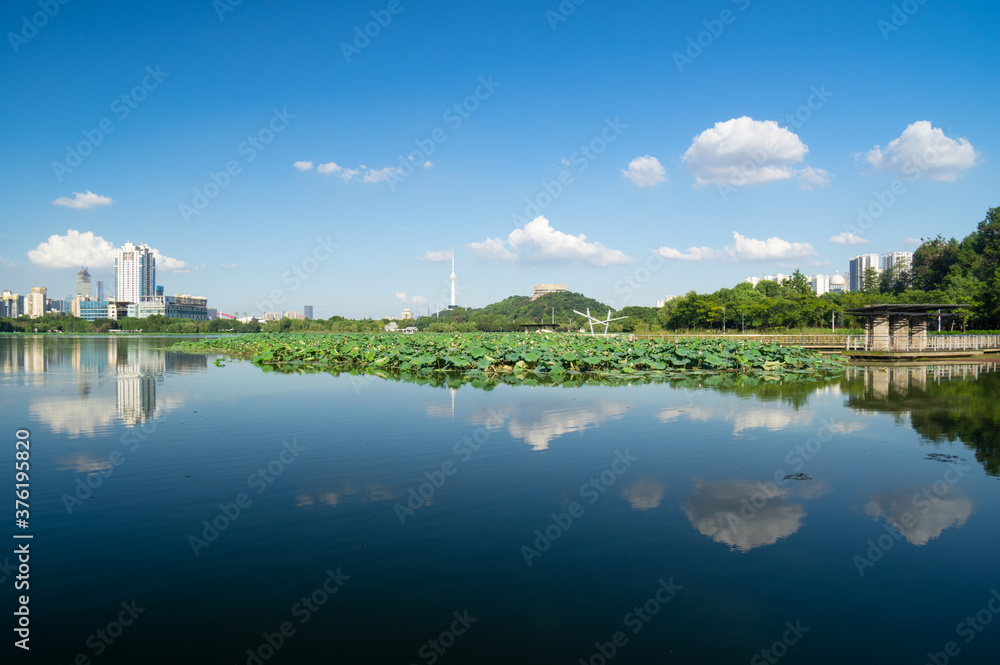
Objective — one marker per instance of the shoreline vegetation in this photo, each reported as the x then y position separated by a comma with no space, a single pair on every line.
485,359
945,271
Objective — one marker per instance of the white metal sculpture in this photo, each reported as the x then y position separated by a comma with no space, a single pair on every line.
592,320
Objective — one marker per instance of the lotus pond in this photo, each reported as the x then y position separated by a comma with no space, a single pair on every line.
488,358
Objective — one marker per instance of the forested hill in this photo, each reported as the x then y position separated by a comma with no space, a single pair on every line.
522,309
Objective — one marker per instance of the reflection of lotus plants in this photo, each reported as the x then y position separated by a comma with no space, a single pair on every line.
484,358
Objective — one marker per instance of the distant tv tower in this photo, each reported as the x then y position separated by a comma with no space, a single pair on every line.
452,277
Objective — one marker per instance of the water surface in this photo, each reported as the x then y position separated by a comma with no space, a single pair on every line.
846,520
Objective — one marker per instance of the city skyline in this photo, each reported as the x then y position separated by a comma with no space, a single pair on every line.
683,145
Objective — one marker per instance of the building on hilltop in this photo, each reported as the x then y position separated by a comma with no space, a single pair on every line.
541,289
135,273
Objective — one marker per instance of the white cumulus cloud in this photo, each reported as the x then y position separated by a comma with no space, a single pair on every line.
692,254
492,249
751,249
810,177
538,242
744,151
645,171
381,175
743,249
168,263
400,296
437,256
418,300
362,173
848,238
82,201
924,151
75,249
912,241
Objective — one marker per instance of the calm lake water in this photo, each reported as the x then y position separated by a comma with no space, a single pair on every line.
184,512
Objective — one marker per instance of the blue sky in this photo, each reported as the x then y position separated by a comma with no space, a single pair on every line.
689,144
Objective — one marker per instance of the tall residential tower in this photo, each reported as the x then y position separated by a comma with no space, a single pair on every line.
859,264
135,273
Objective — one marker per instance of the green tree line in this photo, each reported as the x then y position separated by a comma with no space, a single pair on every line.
946,271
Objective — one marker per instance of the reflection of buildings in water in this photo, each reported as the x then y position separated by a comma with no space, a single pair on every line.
348,492
741,515
134,364
136,397
538,426
137,371
443,410
920,514
25,356
645,494
881,383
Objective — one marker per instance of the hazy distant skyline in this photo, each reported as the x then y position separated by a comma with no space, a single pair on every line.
333,153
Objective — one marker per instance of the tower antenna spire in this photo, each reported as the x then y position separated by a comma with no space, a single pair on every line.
452,277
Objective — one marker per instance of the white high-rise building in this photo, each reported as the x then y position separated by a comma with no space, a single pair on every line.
896,260
779,278
859,264
34,304
135,273
820,284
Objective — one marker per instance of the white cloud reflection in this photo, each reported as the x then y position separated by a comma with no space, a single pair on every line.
645,494
728,513
538,426
918,513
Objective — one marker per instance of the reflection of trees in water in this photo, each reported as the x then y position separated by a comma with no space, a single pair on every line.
943,402
796,390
